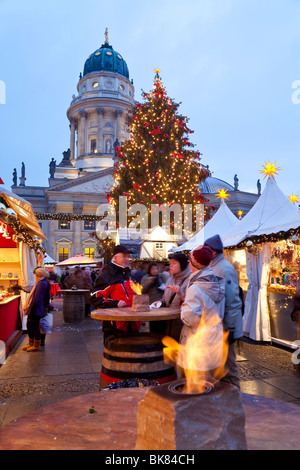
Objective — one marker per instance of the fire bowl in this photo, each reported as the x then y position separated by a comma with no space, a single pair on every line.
179,387
169,419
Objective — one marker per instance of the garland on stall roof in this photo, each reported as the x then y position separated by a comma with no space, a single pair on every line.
272,238
69,217
22,235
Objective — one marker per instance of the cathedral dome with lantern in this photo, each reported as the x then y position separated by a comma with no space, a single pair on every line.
106,59
98,114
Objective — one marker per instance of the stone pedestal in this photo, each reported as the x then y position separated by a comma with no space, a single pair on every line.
213,421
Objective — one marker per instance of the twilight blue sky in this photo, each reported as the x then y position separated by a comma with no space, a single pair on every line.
231,63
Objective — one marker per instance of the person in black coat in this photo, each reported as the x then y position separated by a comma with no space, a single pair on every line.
36,308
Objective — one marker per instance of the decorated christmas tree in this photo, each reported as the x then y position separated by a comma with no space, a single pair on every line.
158,165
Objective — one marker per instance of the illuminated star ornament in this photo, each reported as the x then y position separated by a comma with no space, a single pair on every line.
240,213
157,71
294,198
270,169
222,194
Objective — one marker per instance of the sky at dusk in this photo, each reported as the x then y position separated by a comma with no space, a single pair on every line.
232,65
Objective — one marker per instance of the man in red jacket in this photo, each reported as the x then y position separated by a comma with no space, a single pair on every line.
112,290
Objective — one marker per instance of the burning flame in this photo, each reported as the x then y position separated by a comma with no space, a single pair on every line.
137,288
202,358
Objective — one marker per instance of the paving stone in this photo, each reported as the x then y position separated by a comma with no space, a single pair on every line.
73,354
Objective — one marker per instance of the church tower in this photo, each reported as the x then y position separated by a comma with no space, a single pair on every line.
98,115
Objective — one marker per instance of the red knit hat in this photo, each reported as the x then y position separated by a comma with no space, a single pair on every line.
201,256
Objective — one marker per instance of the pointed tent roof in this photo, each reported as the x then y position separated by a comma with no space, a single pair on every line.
220,223
272,213
49,260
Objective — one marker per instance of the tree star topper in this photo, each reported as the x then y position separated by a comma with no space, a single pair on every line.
222,194
270,169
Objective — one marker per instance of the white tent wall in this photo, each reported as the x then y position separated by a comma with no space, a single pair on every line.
219,224
256,317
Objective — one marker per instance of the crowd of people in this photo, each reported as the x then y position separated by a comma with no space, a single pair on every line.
203,285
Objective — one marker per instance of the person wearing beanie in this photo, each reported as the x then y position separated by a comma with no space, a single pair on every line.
204,305
233,319
215,243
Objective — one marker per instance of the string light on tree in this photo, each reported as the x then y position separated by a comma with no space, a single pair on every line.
158,165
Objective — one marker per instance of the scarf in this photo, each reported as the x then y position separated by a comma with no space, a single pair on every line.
30,296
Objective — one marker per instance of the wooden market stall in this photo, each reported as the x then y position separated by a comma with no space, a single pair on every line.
269,237
20,253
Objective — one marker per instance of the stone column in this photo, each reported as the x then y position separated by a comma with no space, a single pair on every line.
77,229
101,113
82,133
77,245
51,227
118,115
72,139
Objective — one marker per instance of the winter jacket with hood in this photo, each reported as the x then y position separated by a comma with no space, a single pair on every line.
205,297
233,320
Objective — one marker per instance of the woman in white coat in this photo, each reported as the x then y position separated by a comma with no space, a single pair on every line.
202,313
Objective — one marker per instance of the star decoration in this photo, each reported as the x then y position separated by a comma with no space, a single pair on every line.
294,198
270,169
222,194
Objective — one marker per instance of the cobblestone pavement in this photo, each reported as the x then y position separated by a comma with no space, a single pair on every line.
70,365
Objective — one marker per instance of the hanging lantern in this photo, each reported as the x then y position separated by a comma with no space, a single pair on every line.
295,240
12,215
3,212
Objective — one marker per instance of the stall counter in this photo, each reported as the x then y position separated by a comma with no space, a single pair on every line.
9,312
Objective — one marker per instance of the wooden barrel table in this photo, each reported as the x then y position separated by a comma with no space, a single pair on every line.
74,305
135,355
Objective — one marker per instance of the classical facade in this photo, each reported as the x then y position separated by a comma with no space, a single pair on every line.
99,116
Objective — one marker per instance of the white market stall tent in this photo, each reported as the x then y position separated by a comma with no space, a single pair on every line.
221,222
273,215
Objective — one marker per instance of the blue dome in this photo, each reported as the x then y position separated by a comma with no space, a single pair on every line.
106,59
211,185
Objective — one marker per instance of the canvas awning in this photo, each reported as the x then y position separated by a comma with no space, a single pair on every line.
219,224
24,212
77,260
